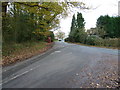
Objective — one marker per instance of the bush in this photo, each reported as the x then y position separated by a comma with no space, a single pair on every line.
66,39
111,42
94,40
81,37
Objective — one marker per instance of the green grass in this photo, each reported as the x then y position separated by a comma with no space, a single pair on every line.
112,43
11,48
94,45
14,52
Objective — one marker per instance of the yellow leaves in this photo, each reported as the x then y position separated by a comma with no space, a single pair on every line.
33,10
47,17
47,33
33,3
47,11
46,14
27,50
42,22
38,32
43,33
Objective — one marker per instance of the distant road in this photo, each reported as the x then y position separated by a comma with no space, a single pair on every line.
54,68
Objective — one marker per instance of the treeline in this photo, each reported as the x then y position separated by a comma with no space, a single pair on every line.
108,26
25,21
106,32
27,24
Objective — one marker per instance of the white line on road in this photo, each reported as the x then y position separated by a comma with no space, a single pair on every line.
55,52
19,75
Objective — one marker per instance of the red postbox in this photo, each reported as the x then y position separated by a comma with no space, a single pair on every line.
49,39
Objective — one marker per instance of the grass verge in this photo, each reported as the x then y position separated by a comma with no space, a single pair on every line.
12,53
94,45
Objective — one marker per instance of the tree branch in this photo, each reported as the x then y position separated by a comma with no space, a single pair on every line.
48,9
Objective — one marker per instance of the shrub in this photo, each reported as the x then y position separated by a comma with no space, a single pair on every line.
93,40
109,42
81,37
66,39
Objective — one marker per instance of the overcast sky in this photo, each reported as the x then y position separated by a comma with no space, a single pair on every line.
104,7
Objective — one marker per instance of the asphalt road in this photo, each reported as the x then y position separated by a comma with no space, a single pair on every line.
54,68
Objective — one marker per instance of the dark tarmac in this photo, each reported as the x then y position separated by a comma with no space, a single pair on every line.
65,66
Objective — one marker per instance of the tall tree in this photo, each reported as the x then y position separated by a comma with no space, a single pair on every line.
108,25
80,34
72,29
80,21
4,8
77,32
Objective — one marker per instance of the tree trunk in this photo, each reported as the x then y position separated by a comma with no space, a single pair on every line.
4,7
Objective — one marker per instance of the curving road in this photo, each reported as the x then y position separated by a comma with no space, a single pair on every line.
55,68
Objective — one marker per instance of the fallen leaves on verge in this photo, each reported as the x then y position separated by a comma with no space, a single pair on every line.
104,74
24,54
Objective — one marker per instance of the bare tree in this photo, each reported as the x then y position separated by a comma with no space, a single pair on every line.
60,35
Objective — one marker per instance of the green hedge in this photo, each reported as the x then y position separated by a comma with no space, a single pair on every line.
94,40
111,42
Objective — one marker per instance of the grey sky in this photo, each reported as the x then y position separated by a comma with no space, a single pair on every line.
104,7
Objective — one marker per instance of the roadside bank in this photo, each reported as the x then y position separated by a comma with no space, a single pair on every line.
24,51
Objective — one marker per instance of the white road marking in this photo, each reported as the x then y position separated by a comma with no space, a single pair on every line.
55,52
16,65
19,75
5,70
31,69
28,70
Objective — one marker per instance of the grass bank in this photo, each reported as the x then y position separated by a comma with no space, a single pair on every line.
112,43
14,52
94,45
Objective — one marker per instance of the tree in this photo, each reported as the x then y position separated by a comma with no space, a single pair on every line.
4,8
25,21
80,21
108,26
60,35
77,33
72,29
80,31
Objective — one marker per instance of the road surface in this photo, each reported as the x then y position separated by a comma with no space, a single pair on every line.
55,68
